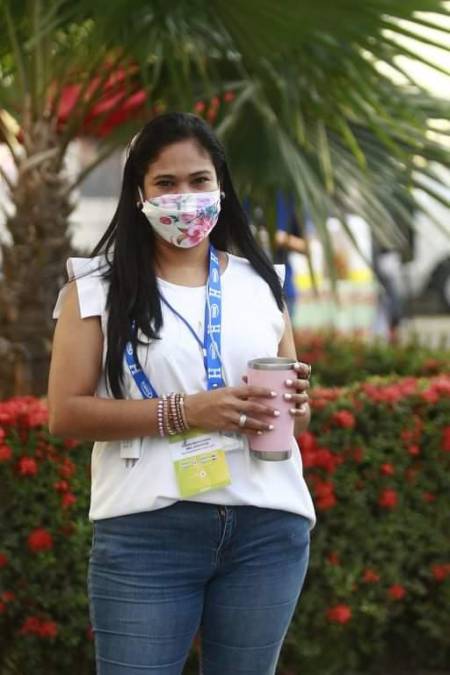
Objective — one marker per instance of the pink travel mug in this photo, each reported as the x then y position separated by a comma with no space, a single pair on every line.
273,446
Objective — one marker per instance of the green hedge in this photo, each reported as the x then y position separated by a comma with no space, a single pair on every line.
339,360
378,587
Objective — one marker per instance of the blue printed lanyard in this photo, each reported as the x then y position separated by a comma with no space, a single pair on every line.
211,345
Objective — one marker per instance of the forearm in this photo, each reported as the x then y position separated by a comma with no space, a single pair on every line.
101,419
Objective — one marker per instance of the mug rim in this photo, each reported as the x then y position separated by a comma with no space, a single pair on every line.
272,363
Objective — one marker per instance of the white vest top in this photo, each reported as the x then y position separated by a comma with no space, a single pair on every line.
252,326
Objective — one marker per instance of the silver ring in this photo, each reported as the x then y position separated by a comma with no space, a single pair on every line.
309,371
242,420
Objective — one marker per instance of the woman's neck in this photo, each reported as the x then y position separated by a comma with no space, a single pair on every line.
185,266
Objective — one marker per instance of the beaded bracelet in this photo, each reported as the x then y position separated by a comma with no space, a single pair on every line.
160,417
166,416
176,417
171,415
183,412
180,420
173,422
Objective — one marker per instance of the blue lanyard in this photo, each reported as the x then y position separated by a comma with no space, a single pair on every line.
211,345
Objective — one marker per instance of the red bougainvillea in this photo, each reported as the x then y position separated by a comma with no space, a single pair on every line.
339,614
39,540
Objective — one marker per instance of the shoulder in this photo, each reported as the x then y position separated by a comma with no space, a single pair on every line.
78,267
87,274
242,266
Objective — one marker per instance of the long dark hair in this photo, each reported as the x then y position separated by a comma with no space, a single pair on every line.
133,290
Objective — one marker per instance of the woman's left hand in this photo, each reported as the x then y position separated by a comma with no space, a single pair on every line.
298,386
298,389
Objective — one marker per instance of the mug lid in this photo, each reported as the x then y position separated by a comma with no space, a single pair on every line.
272,363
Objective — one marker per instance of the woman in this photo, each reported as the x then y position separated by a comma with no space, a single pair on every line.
230,560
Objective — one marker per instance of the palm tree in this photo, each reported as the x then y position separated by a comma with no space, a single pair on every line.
313,113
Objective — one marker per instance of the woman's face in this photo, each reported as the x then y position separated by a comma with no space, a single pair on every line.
184,166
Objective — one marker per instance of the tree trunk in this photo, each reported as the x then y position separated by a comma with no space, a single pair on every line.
32,268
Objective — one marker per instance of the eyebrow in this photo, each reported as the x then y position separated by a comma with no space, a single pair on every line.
191,175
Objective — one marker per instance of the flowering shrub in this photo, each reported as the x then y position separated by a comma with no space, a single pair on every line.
340,360
44,543
377,460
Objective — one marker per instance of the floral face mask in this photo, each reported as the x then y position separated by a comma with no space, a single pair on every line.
184,219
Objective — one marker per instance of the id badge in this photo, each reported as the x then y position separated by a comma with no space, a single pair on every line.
199,461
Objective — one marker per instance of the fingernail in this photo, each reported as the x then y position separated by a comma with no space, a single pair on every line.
288,397
289,382
276,413
271,427
297,365
259,433
294,410
273,394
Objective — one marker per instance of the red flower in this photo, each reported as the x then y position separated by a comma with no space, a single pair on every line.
387,469
211,114
307,441
2,434
414,450
339,614
446,439
325,459
407,435
35,626
370,576
333,558
67,500
327,502
396,592
229,96
67,468
324,491
70,443
24,411
430,396
27,466
30,625
40,540
323,488
440,572
388,499
4,560
428,497
48,629
199,107
61,486
5,453
344,419
8,596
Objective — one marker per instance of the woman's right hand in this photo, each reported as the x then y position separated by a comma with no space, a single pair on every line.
221,409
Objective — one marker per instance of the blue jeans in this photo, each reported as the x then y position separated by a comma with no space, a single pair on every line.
155,578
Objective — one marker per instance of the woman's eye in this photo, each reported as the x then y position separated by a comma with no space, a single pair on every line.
201,179
163,183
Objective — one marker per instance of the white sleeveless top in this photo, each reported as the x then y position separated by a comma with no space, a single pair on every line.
252,326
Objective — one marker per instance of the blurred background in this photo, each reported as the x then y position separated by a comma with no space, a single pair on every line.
335,118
